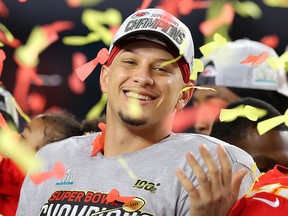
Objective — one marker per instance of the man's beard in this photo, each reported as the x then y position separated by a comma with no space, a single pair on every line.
130,121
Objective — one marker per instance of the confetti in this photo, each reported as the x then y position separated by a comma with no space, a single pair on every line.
98,142
226,16
185,7
114,195
276,3
58,171
268,124
96,22
134,108
4,12
210,47
85,70
256,60
10,146
198,67
75,84
123,162
248,9
278,63
250,112
2,58
270,40
98,108
145,4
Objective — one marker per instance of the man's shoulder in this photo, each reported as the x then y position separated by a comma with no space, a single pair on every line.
71,144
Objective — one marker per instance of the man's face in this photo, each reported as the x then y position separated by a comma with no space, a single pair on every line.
208,104
137,77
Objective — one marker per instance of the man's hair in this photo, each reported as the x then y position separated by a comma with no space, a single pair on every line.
234,131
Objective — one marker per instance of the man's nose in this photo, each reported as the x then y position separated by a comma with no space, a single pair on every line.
143,75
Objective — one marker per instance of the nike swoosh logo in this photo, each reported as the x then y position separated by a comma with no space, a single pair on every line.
273,204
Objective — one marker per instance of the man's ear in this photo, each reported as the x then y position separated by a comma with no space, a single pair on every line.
104,78
185,96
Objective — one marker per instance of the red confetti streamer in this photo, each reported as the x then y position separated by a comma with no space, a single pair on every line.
85,70
114,195
4,12
36,102
145,4
186,6
98,142
2,58
226,16
3,38
271,41
58,171
75,84
169,6
256,60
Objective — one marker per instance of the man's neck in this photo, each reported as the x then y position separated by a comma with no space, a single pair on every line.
121,139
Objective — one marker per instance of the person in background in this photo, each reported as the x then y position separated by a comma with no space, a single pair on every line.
232,80
40,131
268,149
131,166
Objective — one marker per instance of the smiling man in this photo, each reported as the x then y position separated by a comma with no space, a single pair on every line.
137,165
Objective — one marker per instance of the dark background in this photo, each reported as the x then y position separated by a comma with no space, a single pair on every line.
57,58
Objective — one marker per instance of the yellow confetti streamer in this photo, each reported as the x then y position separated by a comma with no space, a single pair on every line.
123,162
250,112
20,111
209,48
18,152
248,9
96,22
271,123
181,51
134,108
98,108
278,63
7,33
276,3
197,87
198,67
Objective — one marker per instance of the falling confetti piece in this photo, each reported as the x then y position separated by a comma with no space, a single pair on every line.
20,111
226,16
181,51
268,124
2,58
36,102
145,4
134,108
276,3
198,67
278,63
98,108
250,112
58,171
123,162
85,70
256,60
185,7
248,9
98,142
75,84
169,6
10,146
210,47
114,195
96,22
271,41
4,12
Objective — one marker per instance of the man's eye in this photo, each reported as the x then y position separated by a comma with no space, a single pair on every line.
129,62
161,69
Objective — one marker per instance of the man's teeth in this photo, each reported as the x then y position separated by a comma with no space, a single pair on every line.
138,96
